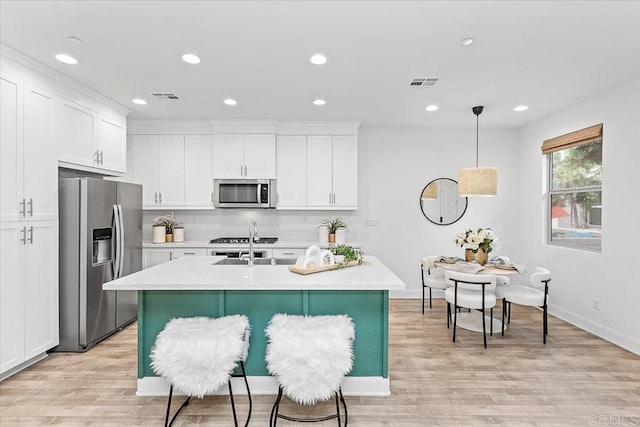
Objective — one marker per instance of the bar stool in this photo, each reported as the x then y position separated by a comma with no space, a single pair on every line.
309,356
198,355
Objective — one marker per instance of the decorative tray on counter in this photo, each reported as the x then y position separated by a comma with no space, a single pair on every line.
309,270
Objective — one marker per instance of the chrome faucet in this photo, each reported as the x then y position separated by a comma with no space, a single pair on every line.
253,234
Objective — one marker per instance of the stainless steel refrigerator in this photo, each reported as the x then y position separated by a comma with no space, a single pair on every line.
100,240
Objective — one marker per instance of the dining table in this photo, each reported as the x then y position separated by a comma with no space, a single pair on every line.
472,320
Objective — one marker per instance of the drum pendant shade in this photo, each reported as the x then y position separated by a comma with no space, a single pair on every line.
478,182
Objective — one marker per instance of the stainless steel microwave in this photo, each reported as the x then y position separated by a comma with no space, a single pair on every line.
244,193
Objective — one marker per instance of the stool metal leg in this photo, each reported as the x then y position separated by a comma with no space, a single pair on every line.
274,411
184,404
273,420
233,406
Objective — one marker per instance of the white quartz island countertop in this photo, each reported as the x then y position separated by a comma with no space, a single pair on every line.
201,273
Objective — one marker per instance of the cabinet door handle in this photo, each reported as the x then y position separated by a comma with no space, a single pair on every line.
329,198
30,203
189,253
245,170
241,170
212,197
100,159
24,235
23,208
288,253
160,197
170,255
95,157
155,197
31,235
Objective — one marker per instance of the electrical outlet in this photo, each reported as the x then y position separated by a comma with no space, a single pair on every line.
596,304
372,222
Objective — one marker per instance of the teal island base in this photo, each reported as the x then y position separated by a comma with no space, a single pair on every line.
369,310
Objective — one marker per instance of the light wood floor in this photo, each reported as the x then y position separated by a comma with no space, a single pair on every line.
576,379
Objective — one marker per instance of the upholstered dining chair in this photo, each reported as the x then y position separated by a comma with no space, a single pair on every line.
432,277
536,295
473,291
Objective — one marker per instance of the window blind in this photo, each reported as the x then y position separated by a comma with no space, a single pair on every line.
573,139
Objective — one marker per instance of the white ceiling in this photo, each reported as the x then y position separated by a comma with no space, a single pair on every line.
545,54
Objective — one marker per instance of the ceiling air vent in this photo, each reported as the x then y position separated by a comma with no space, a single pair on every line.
421,82
165,96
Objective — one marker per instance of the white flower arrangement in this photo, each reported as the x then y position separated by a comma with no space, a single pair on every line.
474,240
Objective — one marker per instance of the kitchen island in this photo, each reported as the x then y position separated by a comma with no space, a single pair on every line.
197,286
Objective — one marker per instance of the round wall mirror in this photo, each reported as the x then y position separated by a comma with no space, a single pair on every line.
440,203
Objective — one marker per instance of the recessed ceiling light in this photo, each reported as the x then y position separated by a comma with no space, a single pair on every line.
521,108
319,102
466,41
431,107
318,59
139,101
230,101
67,59
190,58
74,40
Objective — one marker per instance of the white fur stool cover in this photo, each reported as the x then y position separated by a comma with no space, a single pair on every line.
198,354
309,355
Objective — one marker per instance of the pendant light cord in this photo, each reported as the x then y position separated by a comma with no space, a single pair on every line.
477,150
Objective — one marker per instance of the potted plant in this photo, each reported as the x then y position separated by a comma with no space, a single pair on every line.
333,225
168,222
345,254
477,243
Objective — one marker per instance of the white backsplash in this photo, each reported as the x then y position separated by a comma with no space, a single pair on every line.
286,225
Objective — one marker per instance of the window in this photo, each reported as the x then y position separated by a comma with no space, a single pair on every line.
575,188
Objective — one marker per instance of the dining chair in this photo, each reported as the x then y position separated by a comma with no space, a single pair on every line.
473,291
535,295
434,277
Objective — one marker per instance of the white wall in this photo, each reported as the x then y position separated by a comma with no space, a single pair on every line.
579,276
396,163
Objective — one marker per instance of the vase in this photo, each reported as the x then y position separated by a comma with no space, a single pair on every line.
323,235
482,256
341,236
158,234
178,235
469,255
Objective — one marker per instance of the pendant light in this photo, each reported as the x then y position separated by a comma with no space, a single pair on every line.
479,182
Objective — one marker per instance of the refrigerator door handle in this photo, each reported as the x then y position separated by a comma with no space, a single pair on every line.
121,243
115,262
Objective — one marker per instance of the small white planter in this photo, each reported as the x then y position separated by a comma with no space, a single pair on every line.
178,235
158,234
341,236
323,234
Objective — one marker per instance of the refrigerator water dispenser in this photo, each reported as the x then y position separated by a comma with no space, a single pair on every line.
101,246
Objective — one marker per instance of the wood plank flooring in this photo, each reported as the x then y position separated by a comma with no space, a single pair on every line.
576,379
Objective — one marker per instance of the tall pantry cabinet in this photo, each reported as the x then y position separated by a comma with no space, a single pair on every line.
28,219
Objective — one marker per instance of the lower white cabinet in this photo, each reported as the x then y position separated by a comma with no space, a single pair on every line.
152,256
28,291
288,252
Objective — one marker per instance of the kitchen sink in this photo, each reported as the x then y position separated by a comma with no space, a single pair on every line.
257,261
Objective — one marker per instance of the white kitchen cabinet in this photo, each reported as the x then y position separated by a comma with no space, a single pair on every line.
198,171
111,144
244,155
28,153
158,164
288,252
39,165
89,140
29,295
11,297
10,149
332,171
152,256
291,177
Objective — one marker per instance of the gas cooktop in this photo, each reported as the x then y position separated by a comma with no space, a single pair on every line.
243,240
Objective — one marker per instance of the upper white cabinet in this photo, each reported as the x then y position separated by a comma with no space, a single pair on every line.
89,140
158,164
28,153
291,180
198,171
317,172
111,143
244,155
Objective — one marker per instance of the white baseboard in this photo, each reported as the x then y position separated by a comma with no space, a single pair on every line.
614,337
22,366
351,386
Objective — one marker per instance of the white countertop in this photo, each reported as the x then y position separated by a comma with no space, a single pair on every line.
205,244
199,273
